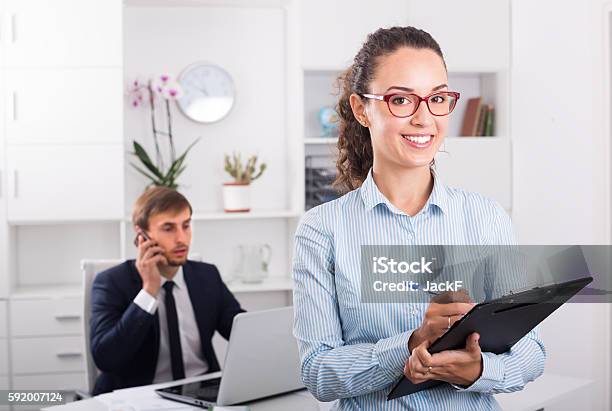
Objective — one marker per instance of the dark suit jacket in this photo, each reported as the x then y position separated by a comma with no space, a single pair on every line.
125,338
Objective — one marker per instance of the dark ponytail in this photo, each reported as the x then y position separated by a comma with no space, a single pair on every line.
354,144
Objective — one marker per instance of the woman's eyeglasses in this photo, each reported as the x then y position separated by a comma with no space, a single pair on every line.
403,105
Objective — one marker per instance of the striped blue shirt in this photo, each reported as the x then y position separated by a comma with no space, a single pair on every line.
355,352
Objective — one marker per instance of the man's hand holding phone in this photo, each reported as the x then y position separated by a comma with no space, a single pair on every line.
150,255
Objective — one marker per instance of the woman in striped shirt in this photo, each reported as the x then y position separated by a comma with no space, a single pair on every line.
393,113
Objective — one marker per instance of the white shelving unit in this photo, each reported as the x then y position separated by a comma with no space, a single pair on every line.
481,164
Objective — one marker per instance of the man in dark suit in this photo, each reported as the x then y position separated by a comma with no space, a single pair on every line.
153,318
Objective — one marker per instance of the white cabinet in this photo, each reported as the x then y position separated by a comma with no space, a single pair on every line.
64,381
3,357
47,355
473,34
44,317
4,262
4,365
64,105
45,33
47,346
65,183
329,42
61,161
4,265
3,319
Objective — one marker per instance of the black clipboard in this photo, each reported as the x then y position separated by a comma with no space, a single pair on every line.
501,323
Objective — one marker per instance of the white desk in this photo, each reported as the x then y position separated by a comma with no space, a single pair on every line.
549,391
145,398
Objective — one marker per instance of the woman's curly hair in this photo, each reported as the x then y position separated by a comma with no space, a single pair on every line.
355,156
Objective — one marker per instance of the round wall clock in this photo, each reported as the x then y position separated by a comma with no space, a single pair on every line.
208,92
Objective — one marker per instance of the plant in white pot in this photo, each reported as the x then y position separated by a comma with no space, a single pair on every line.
236,194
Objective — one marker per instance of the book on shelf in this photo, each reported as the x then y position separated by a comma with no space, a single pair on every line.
479,118
470,119
482,115
490,121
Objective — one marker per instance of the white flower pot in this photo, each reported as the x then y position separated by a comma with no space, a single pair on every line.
236,197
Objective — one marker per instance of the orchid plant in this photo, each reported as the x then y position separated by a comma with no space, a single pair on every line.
163,89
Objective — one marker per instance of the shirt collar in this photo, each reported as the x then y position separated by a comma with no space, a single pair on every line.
372,196
179,279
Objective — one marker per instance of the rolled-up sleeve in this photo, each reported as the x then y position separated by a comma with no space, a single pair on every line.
330,369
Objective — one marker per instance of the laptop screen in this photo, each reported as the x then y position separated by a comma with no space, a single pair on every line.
206,390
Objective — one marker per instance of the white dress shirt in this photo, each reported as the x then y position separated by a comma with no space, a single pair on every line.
191,345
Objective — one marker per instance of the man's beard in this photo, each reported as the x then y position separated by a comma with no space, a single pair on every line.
176,262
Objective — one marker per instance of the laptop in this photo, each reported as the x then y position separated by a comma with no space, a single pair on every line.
262,360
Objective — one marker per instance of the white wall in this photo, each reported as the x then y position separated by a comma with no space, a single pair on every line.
557,121
249,43
561,162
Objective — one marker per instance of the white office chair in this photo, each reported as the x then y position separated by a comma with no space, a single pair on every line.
90,269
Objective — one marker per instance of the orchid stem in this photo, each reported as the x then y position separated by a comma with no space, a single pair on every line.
172,151
160,161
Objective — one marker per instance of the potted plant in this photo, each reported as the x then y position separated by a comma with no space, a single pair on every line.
159,172
236,194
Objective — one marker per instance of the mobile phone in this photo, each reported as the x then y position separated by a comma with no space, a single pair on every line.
143,233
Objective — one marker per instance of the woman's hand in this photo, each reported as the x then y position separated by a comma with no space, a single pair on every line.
438,318
460,367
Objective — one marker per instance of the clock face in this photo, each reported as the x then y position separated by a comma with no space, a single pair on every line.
208,92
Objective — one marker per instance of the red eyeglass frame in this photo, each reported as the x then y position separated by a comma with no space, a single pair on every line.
387,97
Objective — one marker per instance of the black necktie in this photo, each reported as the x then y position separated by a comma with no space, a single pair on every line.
176,354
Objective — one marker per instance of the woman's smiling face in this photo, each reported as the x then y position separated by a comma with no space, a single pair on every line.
411,141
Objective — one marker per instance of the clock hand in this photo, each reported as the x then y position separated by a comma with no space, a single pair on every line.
202,90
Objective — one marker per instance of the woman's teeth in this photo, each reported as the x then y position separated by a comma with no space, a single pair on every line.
418,139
